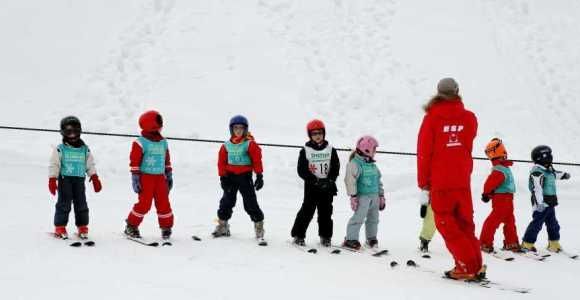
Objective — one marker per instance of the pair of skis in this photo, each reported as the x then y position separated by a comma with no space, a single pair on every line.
77,243
483,283
306,249
375,251
148,243
260,241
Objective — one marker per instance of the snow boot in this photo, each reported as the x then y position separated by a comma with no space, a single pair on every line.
166,233
528,247
482,273
372,243
299,241
554,246
132,231
487,248
83,232
222,229
352,244
325,242
60,232
424,245
259,229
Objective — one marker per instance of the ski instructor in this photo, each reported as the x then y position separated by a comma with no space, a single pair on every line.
444,166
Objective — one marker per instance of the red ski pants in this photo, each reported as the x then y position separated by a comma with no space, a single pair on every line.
453,211
153,187
502,212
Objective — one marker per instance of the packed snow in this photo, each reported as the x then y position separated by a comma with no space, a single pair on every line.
364,67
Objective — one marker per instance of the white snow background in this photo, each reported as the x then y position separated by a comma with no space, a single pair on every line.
361,66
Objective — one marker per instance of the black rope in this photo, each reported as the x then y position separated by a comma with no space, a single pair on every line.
261,144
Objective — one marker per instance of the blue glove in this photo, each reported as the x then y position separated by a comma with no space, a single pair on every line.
169,180
541,207
136,182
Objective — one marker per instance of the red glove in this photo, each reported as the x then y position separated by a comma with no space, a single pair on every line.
52,185
96,183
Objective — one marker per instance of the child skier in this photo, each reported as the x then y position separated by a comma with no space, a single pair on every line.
239,157
70,162
500,188
428,228
151,176
318,166
364,186
542,185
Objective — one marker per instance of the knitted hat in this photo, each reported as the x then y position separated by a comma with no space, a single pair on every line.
447,88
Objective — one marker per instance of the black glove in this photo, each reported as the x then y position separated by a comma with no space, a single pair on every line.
485,198
423,211
169,180
226,183
259,183
566,176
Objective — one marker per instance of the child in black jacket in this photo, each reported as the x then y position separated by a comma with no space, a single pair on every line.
318,166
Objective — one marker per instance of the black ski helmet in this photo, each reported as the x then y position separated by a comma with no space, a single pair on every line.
70,121
542,155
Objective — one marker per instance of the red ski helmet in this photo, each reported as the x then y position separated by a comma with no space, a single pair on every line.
151,121
315,125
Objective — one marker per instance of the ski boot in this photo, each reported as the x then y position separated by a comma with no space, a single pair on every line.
299,241
372,243
60,232
554,246
515,247
83,232
325,242
424,245
222,229
259,229
487,248
351,244
528,247
482,273
166,233
132,231
463,275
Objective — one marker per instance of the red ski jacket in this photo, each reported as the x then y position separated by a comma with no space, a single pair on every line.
255,153
444,146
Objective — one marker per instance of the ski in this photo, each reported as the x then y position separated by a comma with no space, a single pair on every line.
261,242
143,242
377,252
531,255
331,250
196,238
501,255
304,249
573,256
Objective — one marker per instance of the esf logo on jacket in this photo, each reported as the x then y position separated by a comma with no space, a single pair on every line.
452,131
319,161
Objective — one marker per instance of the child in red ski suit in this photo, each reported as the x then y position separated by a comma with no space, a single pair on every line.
499,188
151,176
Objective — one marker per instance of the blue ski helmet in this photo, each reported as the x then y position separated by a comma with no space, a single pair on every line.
238,120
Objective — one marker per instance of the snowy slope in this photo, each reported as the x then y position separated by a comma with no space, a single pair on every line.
362,66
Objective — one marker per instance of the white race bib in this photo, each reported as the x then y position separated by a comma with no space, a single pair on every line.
319,161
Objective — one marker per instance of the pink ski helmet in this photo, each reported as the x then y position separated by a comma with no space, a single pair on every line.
367,145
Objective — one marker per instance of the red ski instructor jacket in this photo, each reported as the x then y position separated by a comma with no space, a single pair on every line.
445,142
